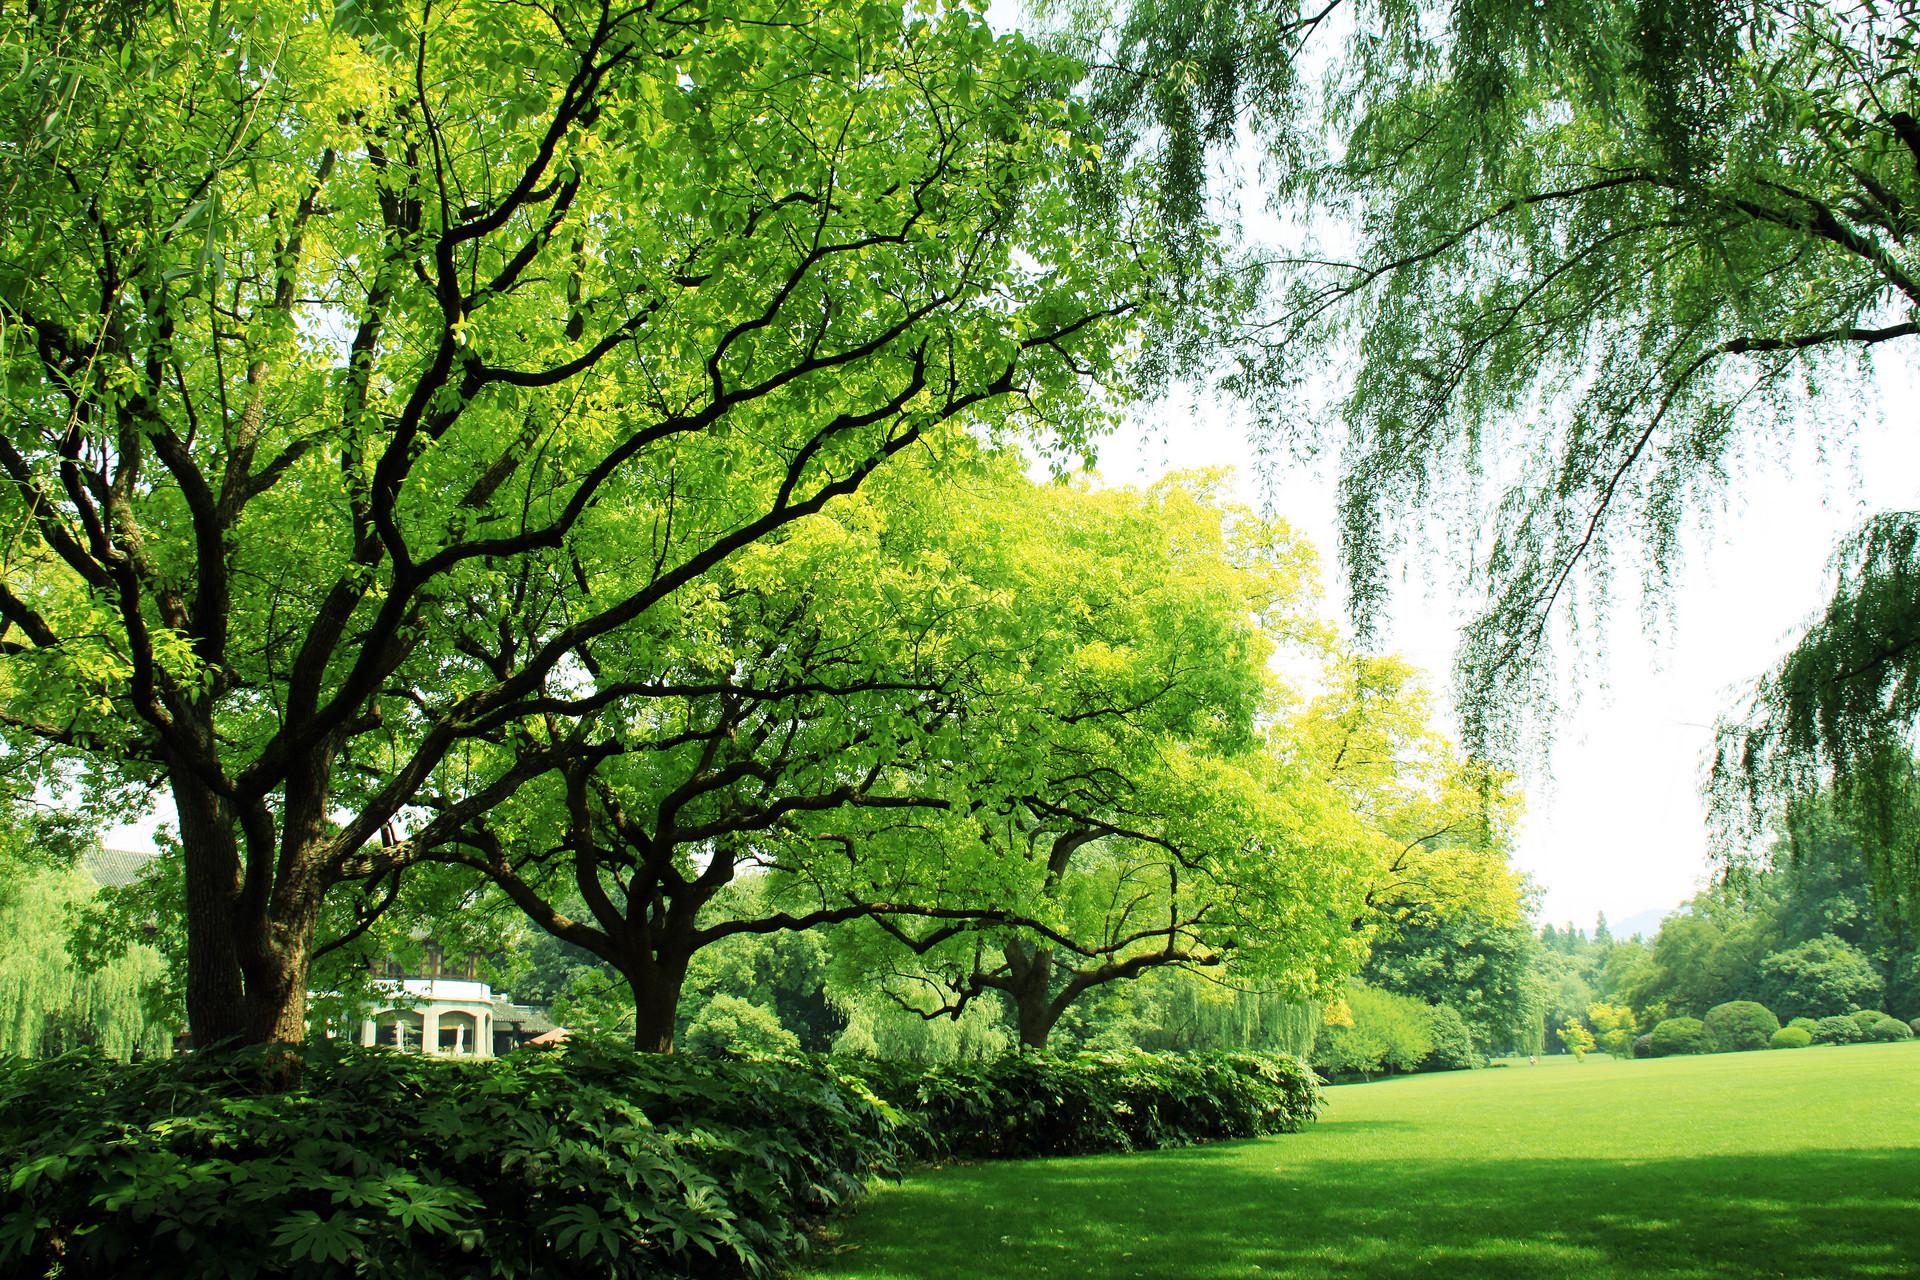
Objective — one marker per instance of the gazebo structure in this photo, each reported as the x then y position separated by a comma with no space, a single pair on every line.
452,1016
456,1016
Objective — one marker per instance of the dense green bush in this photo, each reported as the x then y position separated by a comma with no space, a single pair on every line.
1889,1029
1838,1030
729,1024
1643,1046
1866,1018
586,1160
1915,1025
1791,1038
1680,1035
1805,1024
1040,1104
1740,1025
1452,1042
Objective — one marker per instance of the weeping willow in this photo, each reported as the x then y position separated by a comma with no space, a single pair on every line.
1174,1010
50,1004
880,1027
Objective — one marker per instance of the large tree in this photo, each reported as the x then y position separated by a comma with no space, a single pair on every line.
335,336
814,708
908,708
1146,806
1447,908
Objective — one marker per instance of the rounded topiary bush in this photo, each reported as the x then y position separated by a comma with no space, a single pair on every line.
1805,1024
1866,1019
1680,1035
1889,1030
1791,1038
1838,1030
1915,1024
1643,1046
1739,1025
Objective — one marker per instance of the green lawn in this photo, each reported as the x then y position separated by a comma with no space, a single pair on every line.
1793,1163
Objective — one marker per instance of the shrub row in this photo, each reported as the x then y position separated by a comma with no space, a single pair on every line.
591,1160
1744,1024
1058,1105
1857,1028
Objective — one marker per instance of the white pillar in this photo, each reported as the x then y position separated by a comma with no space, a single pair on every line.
369,1032
429,1030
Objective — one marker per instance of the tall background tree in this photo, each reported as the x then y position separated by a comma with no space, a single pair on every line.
333,336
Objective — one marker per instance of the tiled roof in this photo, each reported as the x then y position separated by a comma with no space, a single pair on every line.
530,1019
112,868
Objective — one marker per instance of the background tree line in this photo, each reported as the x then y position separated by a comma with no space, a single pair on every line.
1801,934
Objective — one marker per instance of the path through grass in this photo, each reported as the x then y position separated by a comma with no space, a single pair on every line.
1796,1163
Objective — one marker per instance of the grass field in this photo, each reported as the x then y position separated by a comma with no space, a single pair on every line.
1797,1163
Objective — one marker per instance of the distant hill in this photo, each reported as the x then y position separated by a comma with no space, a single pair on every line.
1644,923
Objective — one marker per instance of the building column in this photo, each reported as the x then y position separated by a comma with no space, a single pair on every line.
369,1032
429,1030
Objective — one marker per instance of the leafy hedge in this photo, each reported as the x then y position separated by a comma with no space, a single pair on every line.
1679,1035
1838,1029
1058,1105
1791,1038
1740,1025
1889,1029
591,1160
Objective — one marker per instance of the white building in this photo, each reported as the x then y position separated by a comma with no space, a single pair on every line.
450,1016
456,1017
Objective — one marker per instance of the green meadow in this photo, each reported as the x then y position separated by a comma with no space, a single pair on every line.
1779,1163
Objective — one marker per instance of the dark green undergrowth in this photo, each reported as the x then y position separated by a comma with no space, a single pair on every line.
591,1160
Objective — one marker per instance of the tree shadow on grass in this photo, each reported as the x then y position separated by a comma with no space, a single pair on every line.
1240,1210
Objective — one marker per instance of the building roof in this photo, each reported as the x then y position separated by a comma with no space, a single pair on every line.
527,1016
114,868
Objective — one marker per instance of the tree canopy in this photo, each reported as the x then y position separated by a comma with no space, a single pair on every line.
371,367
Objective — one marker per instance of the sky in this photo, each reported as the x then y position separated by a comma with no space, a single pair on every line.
1615,822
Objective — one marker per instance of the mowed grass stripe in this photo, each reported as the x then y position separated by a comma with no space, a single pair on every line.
1779,1163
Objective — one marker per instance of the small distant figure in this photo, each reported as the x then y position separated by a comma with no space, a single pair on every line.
1532,1061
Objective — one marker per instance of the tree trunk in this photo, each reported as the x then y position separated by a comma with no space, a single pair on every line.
247,960
1031,974
656,987
216,987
